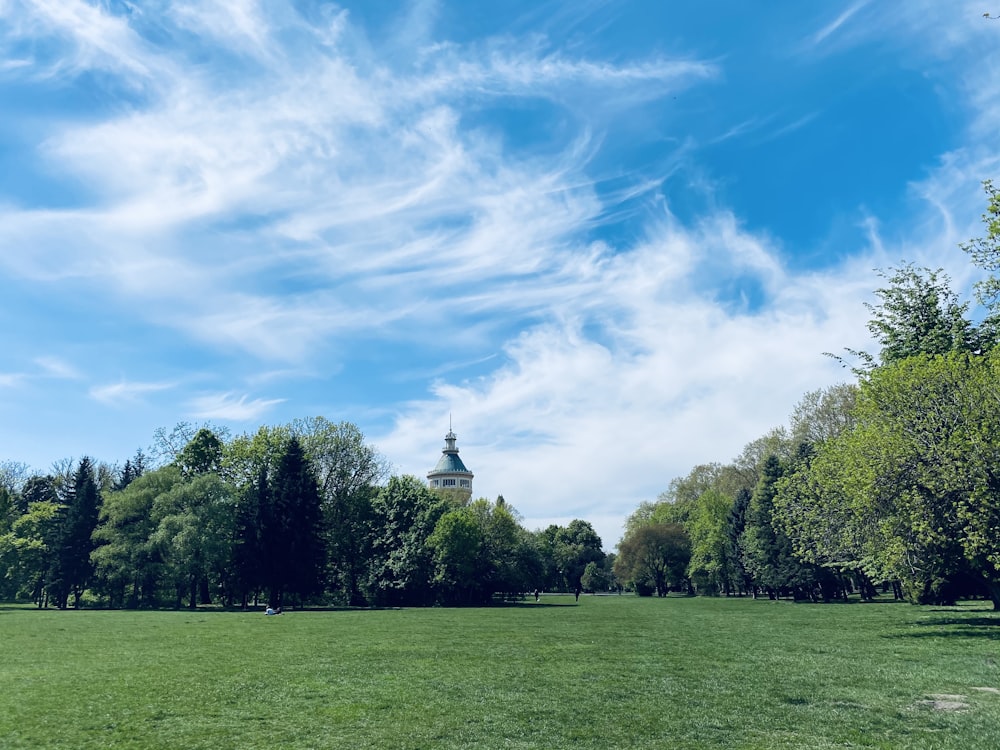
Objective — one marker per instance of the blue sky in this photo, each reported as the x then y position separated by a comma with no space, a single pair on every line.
611,239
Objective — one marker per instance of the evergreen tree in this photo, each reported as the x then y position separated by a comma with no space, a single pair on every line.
291,534
71,566
767,551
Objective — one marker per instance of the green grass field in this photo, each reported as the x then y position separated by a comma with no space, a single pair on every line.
613,672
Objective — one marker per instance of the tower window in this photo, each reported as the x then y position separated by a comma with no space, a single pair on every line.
466,483
447,482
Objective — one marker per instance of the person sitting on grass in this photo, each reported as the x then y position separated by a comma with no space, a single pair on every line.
272,611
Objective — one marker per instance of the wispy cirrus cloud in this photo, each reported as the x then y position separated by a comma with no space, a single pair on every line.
230,407
56,367
124,393
838,23
328,192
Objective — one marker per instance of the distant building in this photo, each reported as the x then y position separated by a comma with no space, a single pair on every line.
450,473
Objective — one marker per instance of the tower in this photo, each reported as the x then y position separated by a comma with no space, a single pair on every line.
450,473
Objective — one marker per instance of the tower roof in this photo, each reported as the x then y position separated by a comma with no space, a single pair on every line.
450,463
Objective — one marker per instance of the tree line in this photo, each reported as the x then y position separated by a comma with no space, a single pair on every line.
890,481
299,514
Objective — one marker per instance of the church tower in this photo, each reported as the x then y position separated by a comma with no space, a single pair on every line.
450,473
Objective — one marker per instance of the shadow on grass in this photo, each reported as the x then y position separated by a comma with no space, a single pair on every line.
955,627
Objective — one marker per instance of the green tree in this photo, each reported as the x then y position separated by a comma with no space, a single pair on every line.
193,535
596,578
985,253
574,546
654,558
27,550
349,471
917,313
291,532
824,414
459,560
402,563
203,454
71,567
919,467
711,568
129,566
768,554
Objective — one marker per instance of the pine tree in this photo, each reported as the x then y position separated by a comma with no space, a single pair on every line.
291,530
71,567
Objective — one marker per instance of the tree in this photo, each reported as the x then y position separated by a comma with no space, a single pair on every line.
596,578
348,471
917,313
985,253
921,467
193,534
202,454
26,552
655,558
134,468
402,563
767,551
711,568
824,414
128,564
736,522
291,530
457,546
71,567
574,546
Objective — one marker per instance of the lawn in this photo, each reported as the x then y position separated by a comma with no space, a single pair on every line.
611,672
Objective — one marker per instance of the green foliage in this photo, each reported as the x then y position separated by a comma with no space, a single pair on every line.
457,544
655,556
348,471
712,566
27,551
193,535
985,251
291,530
402,565
766,550
128,563
71,567
202,454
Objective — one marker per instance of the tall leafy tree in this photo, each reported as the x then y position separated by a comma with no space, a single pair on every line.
129,565
402,563
193,536
655,557
576,545
917,313
202,454
28,549
711,568
457,544
349,471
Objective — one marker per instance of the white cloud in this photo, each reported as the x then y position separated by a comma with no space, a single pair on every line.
230,407
11,379
124,393
320,194
835,25
54,367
